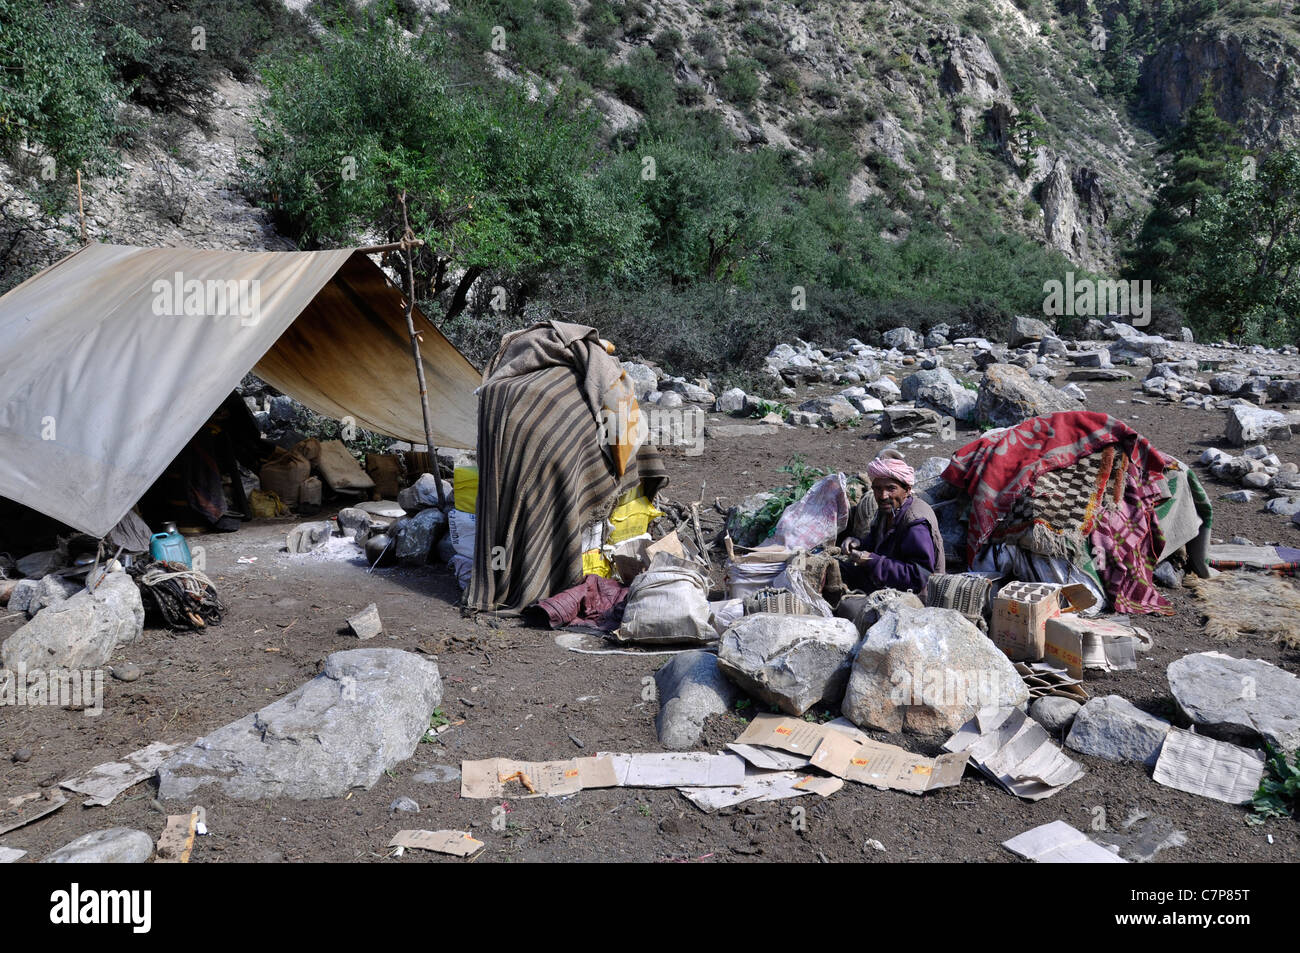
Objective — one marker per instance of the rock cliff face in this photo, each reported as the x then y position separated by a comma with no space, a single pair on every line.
1256,76
975,111
1075,212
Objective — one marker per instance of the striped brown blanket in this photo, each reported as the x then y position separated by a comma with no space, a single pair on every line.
545,473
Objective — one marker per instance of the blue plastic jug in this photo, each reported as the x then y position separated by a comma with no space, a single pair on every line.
170,546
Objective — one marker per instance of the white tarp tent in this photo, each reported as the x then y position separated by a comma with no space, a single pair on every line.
111,359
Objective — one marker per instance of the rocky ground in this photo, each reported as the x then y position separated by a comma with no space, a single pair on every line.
509,690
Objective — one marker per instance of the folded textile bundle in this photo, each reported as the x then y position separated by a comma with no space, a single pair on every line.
1077,486
547,465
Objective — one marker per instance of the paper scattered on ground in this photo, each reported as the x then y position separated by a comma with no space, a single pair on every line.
502,777
768,759
457,843
762,786
106,781
886,766
1059,843
15,812
675,770
1016,751
1199,765
9,854
842,750
1047,678
794,734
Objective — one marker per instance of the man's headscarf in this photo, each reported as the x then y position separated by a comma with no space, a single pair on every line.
891,466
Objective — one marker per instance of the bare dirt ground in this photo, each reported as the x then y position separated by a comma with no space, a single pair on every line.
520,695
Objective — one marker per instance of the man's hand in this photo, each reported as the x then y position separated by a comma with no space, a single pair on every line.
850,544
860,557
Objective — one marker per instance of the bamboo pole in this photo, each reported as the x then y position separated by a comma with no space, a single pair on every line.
408,245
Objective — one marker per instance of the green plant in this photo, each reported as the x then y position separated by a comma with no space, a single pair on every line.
57,94
804,477
436,720
493,180
1279,790
765,407
643,810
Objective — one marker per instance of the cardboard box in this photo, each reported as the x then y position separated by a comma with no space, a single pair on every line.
1079,644
1021,611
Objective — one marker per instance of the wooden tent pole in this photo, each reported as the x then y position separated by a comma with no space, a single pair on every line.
409,244
81,210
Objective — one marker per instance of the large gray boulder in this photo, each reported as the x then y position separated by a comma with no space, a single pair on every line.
49,591
791,661
732,401
1111,727
1130,348
81,631
896,421
420,495
415,536
1238,700
1008,396
884,389
905,339
690,689
1097,359
644,380
835,409
308,537
116,845
364,713
1026,330
1054,713
939,390
928,671
1251,425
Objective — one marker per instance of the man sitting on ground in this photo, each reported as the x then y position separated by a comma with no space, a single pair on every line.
901,545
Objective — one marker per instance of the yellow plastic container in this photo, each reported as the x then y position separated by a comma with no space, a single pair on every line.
464,485
594,563
632,515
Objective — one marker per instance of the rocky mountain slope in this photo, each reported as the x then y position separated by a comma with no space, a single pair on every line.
988,115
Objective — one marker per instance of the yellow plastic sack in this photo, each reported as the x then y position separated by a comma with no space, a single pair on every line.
632,514
465,487
266,505
594,563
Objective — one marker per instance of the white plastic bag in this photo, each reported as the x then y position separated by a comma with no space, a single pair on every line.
746,573
461,527
817,519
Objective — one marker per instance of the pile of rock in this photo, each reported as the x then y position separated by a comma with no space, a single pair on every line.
1257,470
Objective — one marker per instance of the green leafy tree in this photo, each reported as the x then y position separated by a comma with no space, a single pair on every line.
1121,57
56,93
710,208
1246,279
58,102
1203,155
493,179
